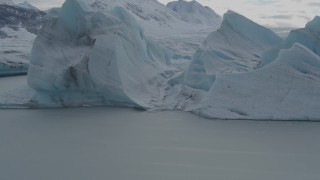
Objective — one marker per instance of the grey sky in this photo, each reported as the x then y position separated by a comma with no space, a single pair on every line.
274,13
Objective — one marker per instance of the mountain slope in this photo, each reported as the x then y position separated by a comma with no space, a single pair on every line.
194,12
162,24
18,26
152,15
14,16
7,2
27,5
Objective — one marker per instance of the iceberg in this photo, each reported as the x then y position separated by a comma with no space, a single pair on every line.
309,36
286,89
85,57
235,47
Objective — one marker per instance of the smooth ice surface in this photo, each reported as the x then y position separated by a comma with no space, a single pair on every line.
235,47
286,89
112,143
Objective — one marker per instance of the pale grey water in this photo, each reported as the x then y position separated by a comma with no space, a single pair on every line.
124,144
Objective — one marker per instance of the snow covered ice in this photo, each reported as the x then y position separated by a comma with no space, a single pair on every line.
15,49
18,25
195,13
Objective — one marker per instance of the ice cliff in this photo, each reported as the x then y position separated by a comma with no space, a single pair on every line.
88,57
235,47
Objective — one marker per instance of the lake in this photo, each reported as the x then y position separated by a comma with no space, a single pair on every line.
104,143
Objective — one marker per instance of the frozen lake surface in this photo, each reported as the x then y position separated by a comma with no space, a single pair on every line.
126,144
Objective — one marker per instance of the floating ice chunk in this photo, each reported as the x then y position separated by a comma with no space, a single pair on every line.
235,47
287,89
308,36
86,57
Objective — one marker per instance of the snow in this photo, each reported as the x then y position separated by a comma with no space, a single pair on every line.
194,12
91,57
15,51
7,2
27,5
235,47
286,89
162,24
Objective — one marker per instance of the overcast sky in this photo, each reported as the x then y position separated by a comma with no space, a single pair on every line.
274,13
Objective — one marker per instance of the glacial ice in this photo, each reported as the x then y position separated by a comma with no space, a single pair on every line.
286,89
88,57
235,47
309,36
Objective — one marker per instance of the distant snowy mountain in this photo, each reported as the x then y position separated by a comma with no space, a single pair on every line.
27,5
144,10
18,26
7,2
235,47
156,18
194,12
163,24
14,16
